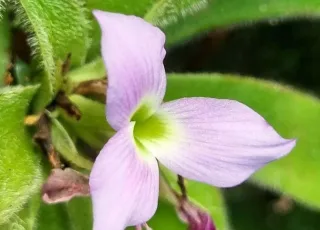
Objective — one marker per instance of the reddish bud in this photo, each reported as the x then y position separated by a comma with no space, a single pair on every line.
63,185
197,218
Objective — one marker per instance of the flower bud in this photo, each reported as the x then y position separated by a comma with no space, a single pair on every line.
196,217
63,185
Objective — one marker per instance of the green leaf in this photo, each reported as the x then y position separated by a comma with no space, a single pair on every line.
22,72
94,70
205,196
2,7
264,210
54,217
4,46
20,172
80,213
56,28
293,114
166,218
92,127
138,8
30,212
182,19
65,146
26,218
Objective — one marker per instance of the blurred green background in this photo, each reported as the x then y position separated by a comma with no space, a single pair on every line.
282,51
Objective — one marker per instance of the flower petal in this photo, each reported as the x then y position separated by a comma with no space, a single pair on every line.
219,142
133,53
124,185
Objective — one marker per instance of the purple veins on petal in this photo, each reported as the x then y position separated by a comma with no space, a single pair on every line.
219,142
124,186
133,51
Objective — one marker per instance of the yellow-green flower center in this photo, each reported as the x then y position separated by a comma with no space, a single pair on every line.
149,126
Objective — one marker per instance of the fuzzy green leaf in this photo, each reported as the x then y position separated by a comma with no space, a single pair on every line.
65,146
26,219
182,19
20,172
138,7
4,46
2,7
293,114
92,127
56,28
30,212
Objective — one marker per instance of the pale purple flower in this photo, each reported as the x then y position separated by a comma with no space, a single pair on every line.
219,142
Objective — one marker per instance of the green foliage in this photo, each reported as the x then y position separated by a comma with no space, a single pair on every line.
92,127
56,28
26,218
77,215
166,218
22,72
80,213
138,8
292,113
20,173
30,212
4,46
252,208
65,146
94,70
182,19
54,217
2,6
167,12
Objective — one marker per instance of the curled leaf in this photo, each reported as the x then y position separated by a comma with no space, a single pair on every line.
63,185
